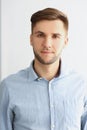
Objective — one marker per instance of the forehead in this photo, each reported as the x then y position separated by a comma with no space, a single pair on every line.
53,26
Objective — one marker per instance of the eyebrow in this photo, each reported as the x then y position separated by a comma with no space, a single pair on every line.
44,33
38,32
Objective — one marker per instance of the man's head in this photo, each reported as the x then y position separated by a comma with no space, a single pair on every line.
49,14
49,35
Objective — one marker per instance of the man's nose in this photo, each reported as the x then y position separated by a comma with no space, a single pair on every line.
47,42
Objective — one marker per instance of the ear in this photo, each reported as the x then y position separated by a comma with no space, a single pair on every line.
66,42
31,39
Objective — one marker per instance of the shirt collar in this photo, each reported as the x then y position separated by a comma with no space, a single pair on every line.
32,74
64,70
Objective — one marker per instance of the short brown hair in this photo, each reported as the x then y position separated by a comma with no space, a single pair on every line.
49,14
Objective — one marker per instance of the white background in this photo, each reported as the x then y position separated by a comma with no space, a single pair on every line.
16,52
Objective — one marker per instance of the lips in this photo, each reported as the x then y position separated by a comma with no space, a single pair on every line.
46,51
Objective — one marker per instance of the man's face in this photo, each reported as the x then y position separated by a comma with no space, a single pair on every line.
48,40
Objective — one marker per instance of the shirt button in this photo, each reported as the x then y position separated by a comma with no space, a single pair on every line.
39,78
52,106
52,126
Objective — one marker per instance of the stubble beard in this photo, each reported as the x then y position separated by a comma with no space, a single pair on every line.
40,59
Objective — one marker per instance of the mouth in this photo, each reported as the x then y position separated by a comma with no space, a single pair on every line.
46,52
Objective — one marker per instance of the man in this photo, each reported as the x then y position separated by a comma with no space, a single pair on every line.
48,95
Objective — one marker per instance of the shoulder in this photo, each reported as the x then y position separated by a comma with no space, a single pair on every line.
72,76
16,78
78,81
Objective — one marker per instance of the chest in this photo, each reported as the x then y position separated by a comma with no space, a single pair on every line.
39,102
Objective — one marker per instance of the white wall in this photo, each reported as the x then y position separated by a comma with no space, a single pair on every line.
16,53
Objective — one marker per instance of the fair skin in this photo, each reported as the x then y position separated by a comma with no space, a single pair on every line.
48,39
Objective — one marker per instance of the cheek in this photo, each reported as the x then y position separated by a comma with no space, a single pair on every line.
36,46
36,42
59,47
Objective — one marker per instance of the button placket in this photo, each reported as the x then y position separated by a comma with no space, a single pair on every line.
51,105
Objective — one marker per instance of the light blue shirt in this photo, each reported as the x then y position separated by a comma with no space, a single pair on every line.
29,102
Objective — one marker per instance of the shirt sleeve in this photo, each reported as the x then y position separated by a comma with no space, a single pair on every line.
84,116
5,112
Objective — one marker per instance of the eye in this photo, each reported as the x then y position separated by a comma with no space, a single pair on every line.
40,35
56,36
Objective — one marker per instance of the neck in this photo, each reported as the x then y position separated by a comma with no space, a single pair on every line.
47,71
